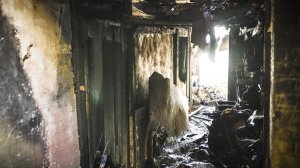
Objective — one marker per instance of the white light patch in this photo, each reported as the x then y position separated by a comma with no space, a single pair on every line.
215,73
207,38
221,31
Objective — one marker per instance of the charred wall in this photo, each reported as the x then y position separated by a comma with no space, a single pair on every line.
153,52
285,93
163,50
156,49
38,87
21,128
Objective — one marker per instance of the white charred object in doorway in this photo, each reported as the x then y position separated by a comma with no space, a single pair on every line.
168,108
235,138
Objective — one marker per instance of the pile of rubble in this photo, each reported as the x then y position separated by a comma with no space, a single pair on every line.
235,137
205,95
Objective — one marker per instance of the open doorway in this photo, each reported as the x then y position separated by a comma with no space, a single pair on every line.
210,74
224,62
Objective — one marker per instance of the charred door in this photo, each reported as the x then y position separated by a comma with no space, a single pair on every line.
106,92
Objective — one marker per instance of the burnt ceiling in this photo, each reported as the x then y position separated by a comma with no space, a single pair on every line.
217,9
204,15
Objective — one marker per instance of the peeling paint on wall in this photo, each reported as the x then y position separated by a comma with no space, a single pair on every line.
46,54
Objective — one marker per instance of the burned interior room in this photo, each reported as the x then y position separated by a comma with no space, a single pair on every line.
149,83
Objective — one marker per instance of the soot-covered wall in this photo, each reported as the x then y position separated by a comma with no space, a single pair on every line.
285,84
38,108
153,52
21,129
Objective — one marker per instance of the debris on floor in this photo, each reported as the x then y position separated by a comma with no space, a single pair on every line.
218,137
191,150
204,95
235,137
